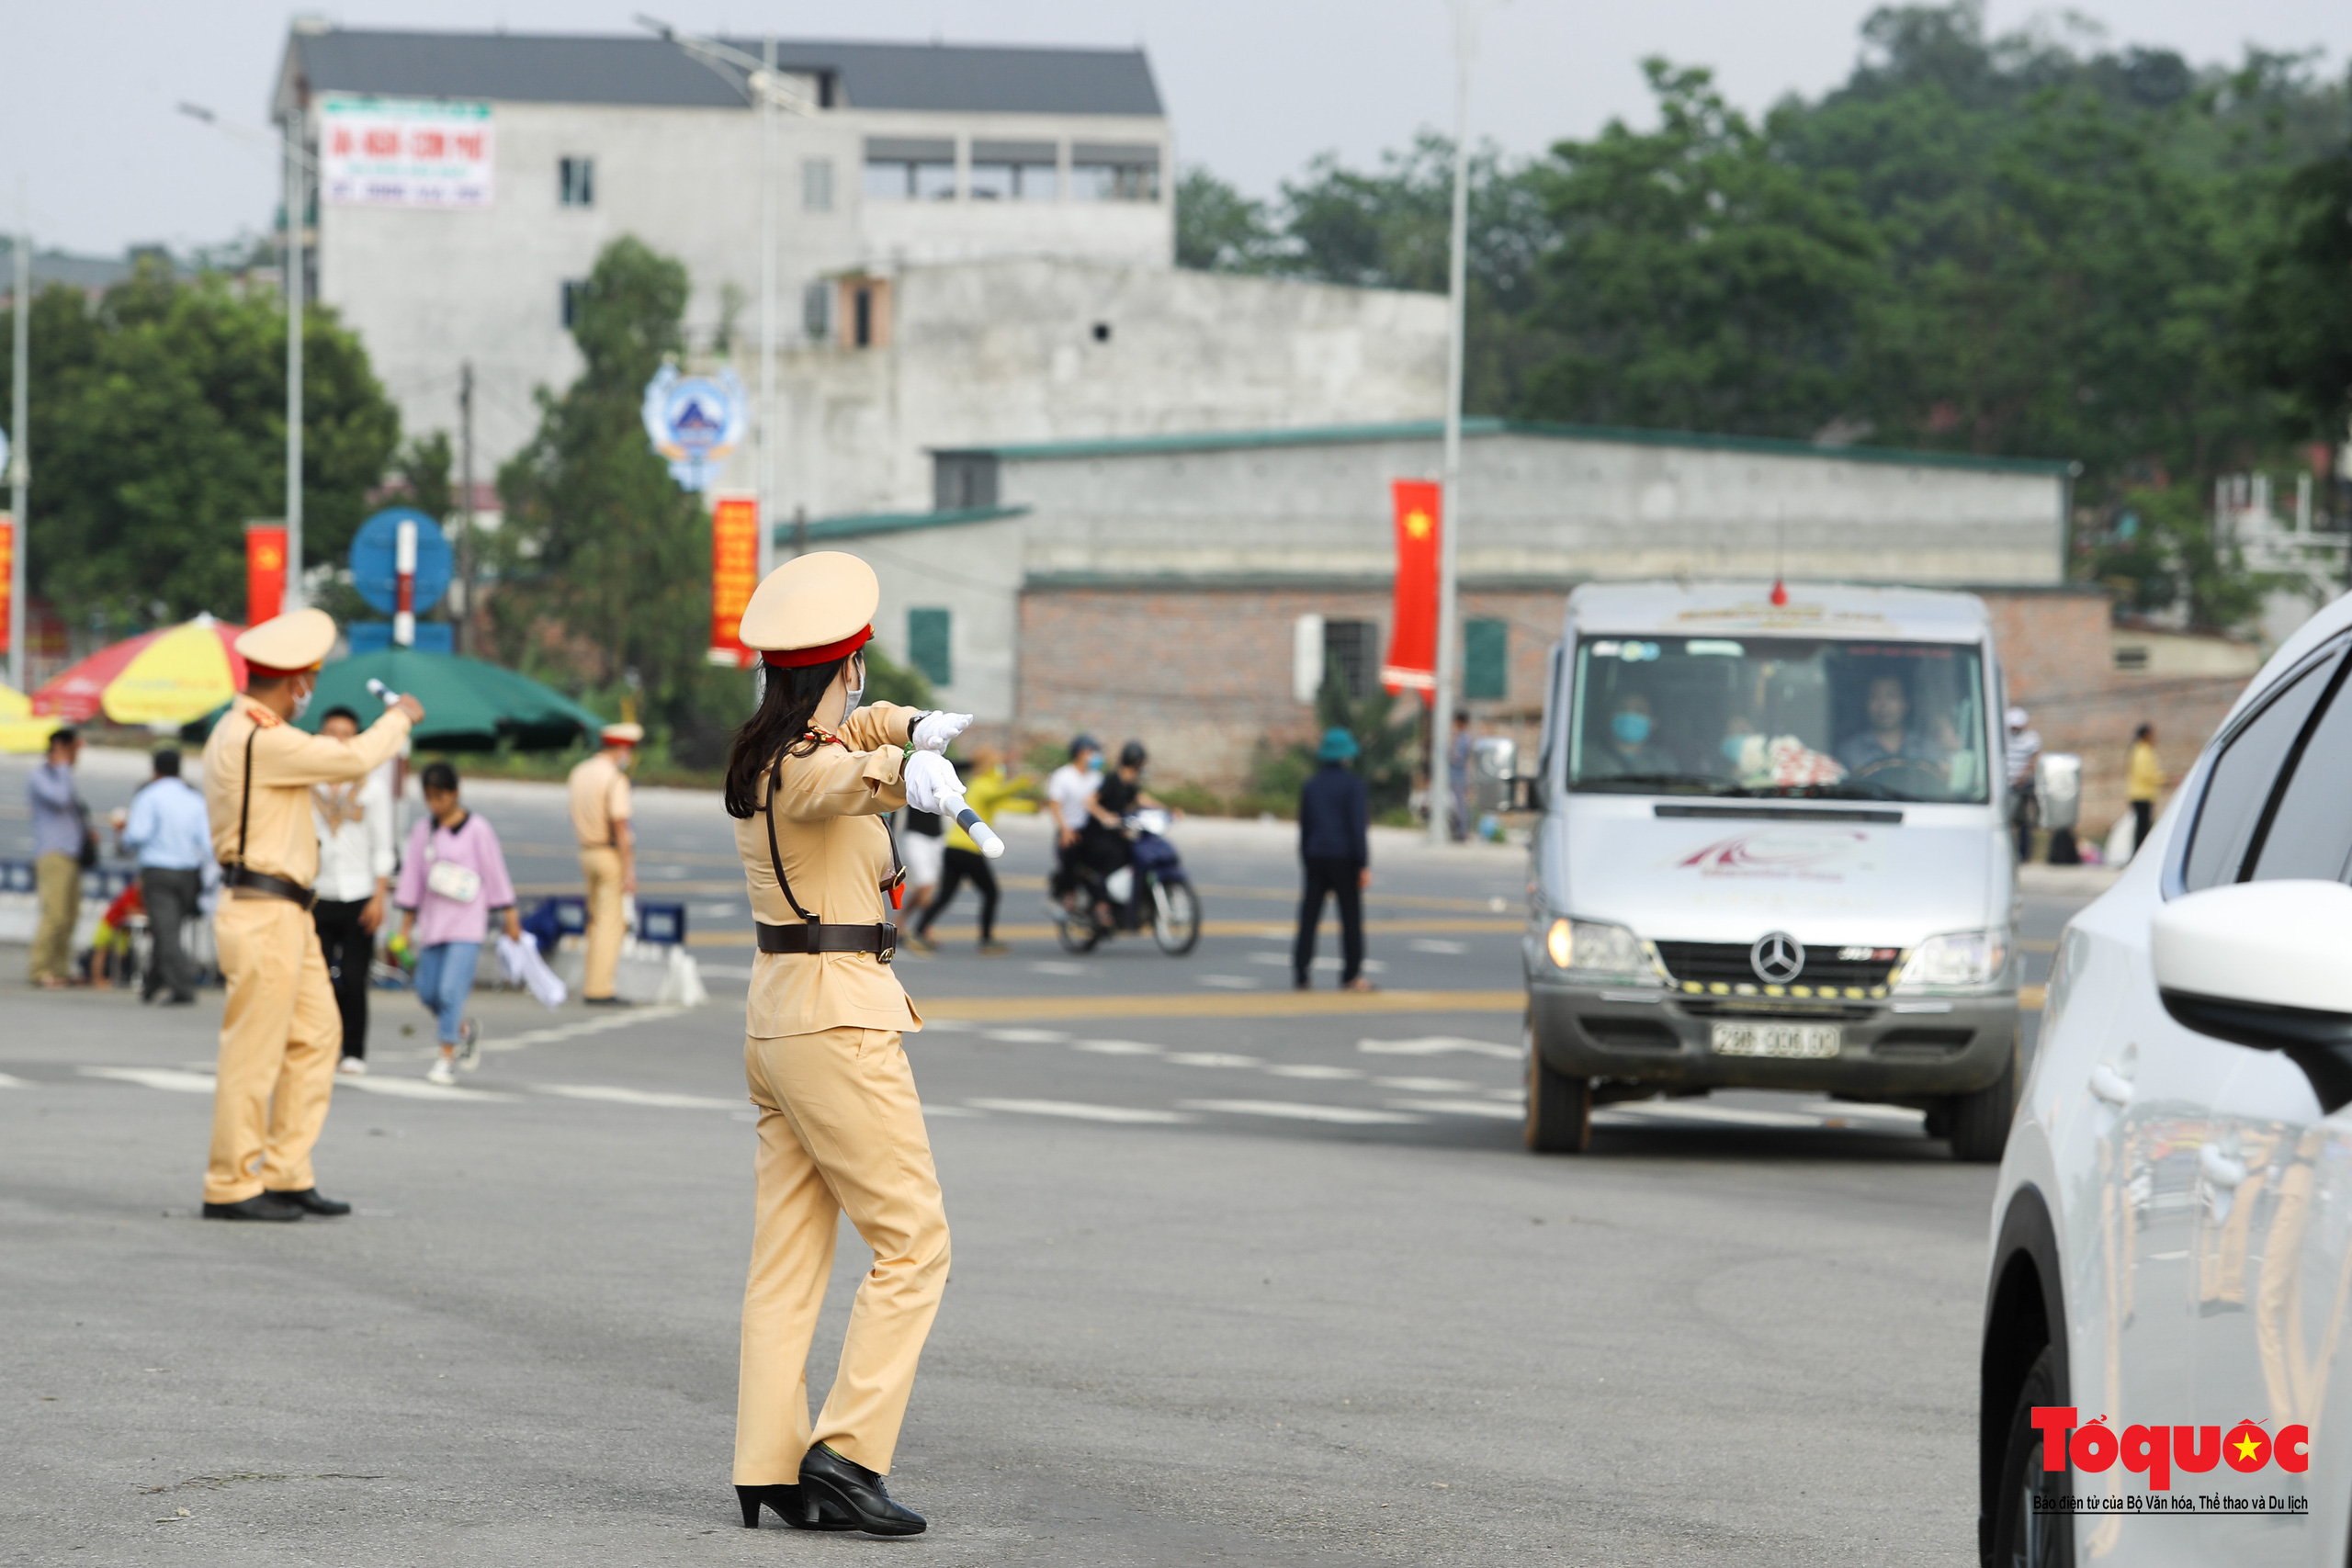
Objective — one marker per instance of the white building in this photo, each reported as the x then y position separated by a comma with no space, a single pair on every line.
973,246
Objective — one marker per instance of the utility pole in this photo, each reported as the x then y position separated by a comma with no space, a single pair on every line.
19,453
294,281
767,311
466,503
1449,612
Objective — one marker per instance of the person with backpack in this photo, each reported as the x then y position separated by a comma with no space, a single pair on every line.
452,880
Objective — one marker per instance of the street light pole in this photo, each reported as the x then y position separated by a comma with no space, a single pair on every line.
1449,612
19,453
294,204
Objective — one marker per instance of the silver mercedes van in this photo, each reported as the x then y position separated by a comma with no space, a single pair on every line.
1772,853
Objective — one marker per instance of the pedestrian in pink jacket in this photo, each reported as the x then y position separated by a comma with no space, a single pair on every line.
452,880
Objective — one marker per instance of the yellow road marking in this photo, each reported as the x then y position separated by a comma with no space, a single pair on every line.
1221,1004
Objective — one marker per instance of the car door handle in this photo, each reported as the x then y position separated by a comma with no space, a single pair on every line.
2219,1168
2110,1086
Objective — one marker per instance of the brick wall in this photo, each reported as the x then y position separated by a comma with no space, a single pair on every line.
1201,676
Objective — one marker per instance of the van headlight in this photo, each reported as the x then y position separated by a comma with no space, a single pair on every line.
1956,961
1593,950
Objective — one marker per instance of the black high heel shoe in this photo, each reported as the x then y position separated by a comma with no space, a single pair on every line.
792,1506
833,1484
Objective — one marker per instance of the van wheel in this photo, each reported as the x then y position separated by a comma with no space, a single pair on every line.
1559,1107
1980,1122
2020,1536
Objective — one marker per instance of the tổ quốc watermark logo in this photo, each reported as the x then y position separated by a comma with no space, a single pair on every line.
2158,1451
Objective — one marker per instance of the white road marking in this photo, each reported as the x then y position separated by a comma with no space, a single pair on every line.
417,1088
8,1082
1230,982
1311,1070
156,1078
1437,945
1026,1036
1894,1113
1291,1111
1685,1111
619,1018
1428,1086
1329,961
1462,1108
1442,1046
616,1095
1211,1059
1115,1047
950,1110
726,972
1079,1111
1056,966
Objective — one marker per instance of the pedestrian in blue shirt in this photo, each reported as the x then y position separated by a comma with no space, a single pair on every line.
62,848
171,834
1335,843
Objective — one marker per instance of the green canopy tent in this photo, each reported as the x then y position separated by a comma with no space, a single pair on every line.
468,706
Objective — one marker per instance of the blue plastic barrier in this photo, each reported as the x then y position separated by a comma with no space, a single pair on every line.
663,923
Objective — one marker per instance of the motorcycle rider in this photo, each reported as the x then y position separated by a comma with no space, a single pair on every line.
1069,792
1105,847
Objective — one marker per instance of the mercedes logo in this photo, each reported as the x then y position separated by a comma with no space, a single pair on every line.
1777,958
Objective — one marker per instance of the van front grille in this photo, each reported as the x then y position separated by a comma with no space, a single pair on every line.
1722,969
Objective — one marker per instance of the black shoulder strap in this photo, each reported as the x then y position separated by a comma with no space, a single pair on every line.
245,808
776,783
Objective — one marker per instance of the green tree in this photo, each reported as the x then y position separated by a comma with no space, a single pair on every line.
1218,228
158,432
603,560
2297,316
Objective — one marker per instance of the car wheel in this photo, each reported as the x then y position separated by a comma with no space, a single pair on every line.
1980,1122
1559,1107
2022,1538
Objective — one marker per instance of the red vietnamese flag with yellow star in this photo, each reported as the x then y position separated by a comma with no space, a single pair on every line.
1411,664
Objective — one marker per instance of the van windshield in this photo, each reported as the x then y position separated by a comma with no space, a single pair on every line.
1771,715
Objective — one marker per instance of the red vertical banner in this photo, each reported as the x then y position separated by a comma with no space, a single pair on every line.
264,571
1411,664
734,572
7,577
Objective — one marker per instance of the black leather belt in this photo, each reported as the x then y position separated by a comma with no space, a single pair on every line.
881,940
269,887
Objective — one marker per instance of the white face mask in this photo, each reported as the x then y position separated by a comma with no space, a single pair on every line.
302,703
856,693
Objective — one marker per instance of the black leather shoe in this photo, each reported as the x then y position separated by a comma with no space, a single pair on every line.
602,1002
261,1206
309,1202
831,1482
790,1505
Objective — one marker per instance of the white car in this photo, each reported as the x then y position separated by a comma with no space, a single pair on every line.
2164,1373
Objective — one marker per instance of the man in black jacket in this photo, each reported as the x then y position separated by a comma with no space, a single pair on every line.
1334,816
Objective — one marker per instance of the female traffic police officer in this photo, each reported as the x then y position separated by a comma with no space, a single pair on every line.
808,780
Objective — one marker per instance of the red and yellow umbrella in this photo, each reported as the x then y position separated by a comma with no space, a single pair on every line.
170,676
19,730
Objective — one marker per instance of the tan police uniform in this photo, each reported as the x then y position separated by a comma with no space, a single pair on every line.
600,798
840,1128
280,1034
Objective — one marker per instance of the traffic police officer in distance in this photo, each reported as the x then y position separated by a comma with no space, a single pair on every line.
600,820
809,780
280,1034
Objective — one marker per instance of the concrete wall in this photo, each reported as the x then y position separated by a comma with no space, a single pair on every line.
427,289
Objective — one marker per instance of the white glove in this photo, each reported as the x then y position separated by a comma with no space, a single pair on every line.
932,784
934,730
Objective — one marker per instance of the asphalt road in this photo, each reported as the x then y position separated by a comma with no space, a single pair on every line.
1241,1276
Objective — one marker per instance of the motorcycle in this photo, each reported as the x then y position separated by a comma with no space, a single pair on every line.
1151,887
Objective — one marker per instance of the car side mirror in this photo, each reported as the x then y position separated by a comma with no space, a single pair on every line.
2266,964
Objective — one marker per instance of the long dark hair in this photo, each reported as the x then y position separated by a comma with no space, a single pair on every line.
779,727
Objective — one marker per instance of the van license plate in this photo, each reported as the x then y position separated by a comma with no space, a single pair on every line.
1778,1039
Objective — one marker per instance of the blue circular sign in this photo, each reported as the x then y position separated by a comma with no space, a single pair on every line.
374,552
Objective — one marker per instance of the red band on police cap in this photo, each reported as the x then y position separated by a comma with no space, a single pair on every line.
271,672
801,658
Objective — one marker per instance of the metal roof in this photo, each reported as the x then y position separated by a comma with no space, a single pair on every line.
619,69
1431,430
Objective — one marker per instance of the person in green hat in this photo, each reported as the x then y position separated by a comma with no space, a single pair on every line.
1335,846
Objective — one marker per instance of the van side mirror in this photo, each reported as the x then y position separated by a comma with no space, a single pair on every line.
2266,964
1526,793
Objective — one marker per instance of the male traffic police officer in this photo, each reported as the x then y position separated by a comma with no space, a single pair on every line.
280,1034
809,780
600,820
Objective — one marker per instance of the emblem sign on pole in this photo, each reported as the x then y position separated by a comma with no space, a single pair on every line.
734,572
264,571
694,423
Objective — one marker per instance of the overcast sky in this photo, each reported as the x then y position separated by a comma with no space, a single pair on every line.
1256,87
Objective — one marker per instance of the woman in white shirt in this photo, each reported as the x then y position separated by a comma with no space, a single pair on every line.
355,865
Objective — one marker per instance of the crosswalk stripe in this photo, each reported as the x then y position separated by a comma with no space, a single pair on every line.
417,1088
171,1078
8,1082
614,1094
1077,1111
1350,1115
1684,1111
1462,1108
623,1018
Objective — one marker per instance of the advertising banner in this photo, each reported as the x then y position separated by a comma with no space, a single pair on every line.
404,153
264,571
734,572
1411,664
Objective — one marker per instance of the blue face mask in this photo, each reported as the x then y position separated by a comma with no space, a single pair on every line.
1733,746
1632,728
